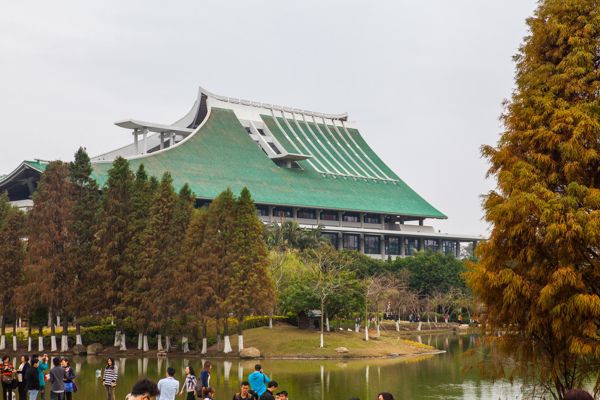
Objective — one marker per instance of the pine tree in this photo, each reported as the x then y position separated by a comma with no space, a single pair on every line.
140,203
12,249
114,237
191,286
217,257
51,240
250,265
157,264
539,271
85,212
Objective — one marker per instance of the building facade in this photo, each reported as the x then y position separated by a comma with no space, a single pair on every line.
311,167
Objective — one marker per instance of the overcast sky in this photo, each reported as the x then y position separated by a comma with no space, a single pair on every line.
424,79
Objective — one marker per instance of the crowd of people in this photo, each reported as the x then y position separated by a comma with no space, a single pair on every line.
29,379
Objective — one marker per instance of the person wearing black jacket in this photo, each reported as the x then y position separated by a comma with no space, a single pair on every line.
268,394
21,376
32,379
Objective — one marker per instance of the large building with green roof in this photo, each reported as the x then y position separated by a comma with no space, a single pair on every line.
307,166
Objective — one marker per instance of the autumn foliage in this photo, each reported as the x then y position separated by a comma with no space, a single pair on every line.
539,273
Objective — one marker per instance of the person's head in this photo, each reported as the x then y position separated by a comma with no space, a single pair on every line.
257,367
64,362
5,359
56,361
24,358
577,394
244,386
35,362
208,392
207,366
385,396
171,371
110,363
35,355
190,370
144,389
277,396
272,386
283,395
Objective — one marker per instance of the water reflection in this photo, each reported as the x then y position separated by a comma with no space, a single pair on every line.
417,377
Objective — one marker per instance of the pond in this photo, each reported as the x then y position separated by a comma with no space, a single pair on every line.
419,377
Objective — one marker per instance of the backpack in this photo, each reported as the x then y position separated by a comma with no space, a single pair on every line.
199,387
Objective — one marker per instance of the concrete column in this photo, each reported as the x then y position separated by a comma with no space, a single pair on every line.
382,246
421,221
402,219
319,216
271,213
171,138
362,219
421,244
135,141
295,213
402,246
457,249
361,243
145,144
474,245
340,241
383,217
340,217
440,243
162,140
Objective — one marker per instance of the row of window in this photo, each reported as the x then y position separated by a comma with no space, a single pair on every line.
309,213
392,244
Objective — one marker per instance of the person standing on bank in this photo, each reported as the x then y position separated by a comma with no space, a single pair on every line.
7,378
258,380
69,376
32,379
244,394
204,378
168,386
22,376
190,383
110,378
57,381
42,366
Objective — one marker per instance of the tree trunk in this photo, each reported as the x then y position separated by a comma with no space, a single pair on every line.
367,322
78,339
145,346
218,336
160,346
140,340
227,346
322,306
204,339
184,344
241,334
377,318
53,346
167,343
3,333
64,342
15,334
41,339
29,334
271,318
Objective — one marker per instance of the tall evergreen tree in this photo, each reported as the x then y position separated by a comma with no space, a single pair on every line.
539,271
191,287
250,265
141,201
217,257
157,264
85,212
51,239
114,237
12,249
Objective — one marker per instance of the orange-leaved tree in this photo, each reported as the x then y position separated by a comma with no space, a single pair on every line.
539,273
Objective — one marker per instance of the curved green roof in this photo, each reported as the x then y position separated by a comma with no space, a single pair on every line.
221,154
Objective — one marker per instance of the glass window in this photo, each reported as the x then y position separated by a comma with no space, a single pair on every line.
410,245
448,247
430,244
202,203
350,241
350,217
282,212
275,149
332,237
262,210
307,213
248,130
392,246
261,132
372,219
372,245
329,215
